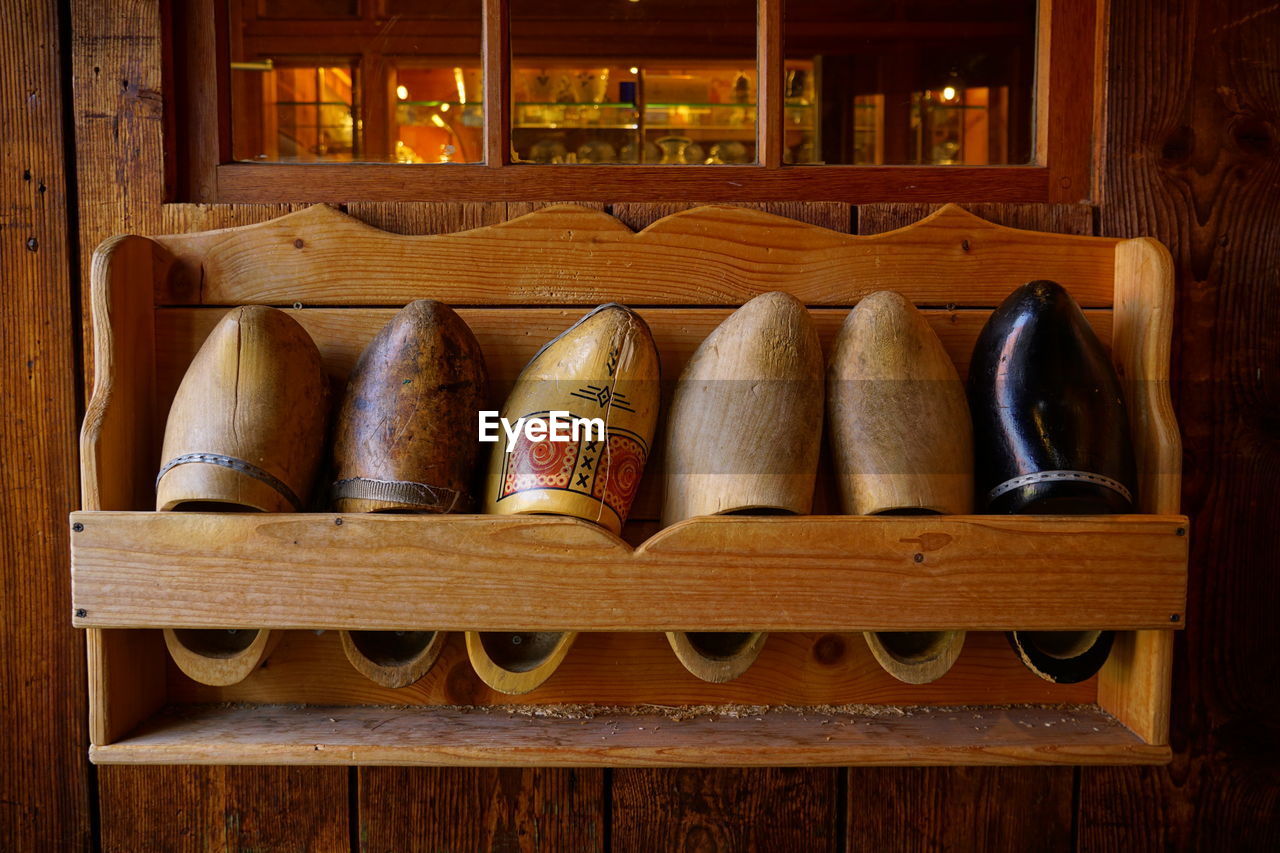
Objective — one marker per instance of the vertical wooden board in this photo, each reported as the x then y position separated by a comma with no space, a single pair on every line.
171,808
639,216
119,102
520,208
428,217
176,218
827,214
308,810
501,809
1192,160
116,81
960,808
708,810
44,783
1058,218
946,807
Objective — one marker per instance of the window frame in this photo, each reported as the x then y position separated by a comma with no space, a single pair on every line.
1069,52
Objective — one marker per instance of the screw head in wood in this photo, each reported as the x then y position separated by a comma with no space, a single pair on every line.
919,558
77,527
81,613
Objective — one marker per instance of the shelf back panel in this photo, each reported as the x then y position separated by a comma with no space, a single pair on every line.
571,255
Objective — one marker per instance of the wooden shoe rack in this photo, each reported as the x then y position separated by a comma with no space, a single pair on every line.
815,695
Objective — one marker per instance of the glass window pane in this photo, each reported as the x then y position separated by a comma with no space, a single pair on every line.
439,113
616,81
403,86
921,82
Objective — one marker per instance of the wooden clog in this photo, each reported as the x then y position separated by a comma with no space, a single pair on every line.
743,437
405,441
902,443
604,366
1051,436
245,433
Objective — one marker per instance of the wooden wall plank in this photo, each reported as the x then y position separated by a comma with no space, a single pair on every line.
1193,160
721,255
499,809
1059,218
978,808
828,214
310,571
428,217
520,208
119,104
175,808
44,775
711,810
960,808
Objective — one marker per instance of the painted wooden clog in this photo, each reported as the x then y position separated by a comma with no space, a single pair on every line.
902,443
405,441
743,437
1051,436
603,369
245,433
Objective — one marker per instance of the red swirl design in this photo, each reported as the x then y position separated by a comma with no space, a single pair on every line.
539,464
622,467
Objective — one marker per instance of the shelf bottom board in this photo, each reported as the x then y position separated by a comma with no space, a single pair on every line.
725,737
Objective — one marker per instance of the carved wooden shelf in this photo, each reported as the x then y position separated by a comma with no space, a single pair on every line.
813,581
543,573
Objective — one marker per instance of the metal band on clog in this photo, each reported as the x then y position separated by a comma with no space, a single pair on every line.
1060,477
416,495
235,465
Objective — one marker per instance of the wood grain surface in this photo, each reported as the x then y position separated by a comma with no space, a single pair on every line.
746,737
1193,161
482,808
118,86
44,782
548,573
711,255
793,669
223,808
961,808
731,809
